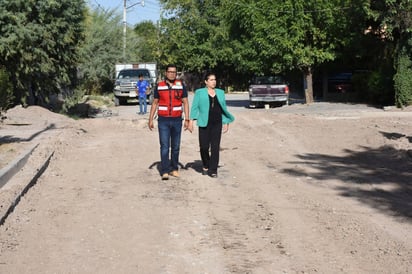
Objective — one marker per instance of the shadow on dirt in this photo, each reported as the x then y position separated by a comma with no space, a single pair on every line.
12,139
158,166
388,172
196,165
395,136
237,103
246,104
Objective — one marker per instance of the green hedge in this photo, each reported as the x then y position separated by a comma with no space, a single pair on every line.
6,92
403,80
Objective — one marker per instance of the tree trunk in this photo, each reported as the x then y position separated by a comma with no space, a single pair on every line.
308,85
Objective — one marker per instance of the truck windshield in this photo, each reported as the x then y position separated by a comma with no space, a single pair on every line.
133,73
268,80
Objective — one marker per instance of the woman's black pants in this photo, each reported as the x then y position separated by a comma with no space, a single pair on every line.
209,137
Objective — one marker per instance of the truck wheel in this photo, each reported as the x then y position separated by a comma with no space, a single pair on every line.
252,105
122,101
116,101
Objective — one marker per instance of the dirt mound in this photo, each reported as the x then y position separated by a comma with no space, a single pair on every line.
24,127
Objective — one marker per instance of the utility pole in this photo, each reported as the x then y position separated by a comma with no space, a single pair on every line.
125,7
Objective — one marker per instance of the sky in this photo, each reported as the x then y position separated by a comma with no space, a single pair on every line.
135,13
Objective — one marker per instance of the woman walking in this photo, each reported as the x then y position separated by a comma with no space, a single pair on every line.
210,110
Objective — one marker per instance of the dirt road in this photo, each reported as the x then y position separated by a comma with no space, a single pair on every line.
301,189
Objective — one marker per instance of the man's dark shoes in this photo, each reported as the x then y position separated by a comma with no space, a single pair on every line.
204,171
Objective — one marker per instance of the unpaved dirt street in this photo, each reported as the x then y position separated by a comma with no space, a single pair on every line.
325,188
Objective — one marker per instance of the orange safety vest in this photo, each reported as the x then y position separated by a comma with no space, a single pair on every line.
170,99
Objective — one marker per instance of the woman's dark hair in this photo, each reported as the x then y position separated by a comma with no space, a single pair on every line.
208,74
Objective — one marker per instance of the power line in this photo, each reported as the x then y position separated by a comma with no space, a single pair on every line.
99,6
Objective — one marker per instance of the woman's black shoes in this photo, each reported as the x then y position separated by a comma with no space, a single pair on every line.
206,172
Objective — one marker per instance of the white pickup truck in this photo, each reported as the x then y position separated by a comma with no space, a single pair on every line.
125,85
268,90
126,77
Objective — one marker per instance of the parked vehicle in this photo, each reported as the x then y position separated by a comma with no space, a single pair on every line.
151,66
340,82
268,90
332,84
125,84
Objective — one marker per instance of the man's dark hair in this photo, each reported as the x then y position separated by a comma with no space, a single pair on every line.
171,66
140,75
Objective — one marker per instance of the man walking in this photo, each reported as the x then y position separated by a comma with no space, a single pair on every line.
170,101
143,87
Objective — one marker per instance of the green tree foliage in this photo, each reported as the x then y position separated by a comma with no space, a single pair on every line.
6,91
403,79
101,50
254,37
147,46
134,44
279,36
39,42
193,35
104,44
395,18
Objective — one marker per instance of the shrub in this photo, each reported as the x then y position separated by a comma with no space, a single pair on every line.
403,81
6,92
73,99
374,87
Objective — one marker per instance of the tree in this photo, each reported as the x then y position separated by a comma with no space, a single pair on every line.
101,50
6,92
262,36
147,46
279,36
392,22
38,44
193,35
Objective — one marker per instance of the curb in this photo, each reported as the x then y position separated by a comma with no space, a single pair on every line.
10,170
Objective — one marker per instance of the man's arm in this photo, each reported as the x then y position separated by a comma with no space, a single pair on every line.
153,109
185,102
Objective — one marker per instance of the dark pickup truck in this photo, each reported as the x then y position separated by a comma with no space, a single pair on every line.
269,90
